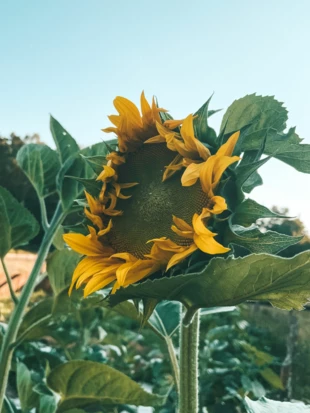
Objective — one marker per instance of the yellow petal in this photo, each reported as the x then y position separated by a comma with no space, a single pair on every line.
86,246
228,147
206,175
156,139
115,119
219,205
208,245
97,283
175,165
147,115
115,158
180,256
95,219
191,174
105,230
107,172
173,123
221,165
128,109
183,225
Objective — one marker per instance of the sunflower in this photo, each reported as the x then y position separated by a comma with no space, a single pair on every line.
157,201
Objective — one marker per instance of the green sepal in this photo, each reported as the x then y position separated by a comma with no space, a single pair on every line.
202,130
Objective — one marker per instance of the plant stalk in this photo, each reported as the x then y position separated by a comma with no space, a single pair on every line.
9,281
189,343
16,319
174,363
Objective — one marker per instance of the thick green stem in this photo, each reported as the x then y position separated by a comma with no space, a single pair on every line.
189,340
16,319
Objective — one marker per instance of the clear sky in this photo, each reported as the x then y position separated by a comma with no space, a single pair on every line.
70,58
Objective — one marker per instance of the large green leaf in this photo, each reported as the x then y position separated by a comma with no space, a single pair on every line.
266,119
261,112
265,405
254,240
66,145
28,398
18,226
249,211
60,267
285,282
83,383
41,165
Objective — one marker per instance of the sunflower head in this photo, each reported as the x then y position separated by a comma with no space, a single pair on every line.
159,200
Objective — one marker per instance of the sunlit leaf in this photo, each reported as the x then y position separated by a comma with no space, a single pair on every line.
41,165
66,145
18,225
60,267
82,383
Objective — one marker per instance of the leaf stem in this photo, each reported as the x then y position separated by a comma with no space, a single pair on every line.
174,363
9,281
44,220
189,340
16,319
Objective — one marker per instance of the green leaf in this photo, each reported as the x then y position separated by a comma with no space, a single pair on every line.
261,112
69,189
66,145
47,403
249,211
166,317
265,115
244,172
252,182
28,398
202,130
41,165
285,282
60,267
82,383
254,240
96,162
58,241
265,405
18,226
36,320
272,378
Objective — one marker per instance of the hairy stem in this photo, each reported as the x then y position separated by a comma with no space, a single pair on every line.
15,321
9,281
189,340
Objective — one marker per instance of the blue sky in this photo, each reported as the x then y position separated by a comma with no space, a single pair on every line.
71,58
